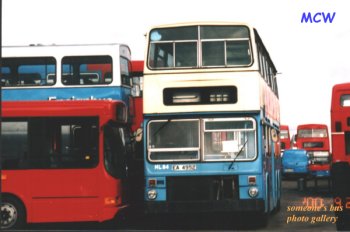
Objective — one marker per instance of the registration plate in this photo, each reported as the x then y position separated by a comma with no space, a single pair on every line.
288,170
184,167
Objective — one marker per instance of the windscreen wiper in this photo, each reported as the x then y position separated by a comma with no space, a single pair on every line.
239,152
161,128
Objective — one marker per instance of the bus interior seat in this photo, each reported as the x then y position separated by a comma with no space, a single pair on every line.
30,78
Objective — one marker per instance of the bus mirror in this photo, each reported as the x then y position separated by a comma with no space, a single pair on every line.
274,135
138,136
135,91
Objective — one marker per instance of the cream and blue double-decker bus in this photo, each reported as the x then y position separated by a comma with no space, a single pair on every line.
211,120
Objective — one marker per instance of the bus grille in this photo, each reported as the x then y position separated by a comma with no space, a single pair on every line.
202,188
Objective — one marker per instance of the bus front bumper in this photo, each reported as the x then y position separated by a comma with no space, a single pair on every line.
253,205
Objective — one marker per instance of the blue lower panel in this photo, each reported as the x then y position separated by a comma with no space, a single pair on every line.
253,205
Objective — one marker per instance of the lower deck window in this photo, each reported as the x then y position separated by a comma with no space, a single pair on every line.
170,140
229,139
44,143
313,145
224,139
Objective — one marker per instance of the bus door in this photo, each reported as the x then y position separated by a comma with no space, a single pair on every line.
271,164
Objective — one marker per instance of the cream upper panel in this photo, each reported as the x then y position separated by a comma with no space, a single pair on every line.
247,84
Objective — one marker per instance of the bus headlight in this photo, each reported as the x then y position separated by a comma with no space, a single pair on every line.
152,194
253,191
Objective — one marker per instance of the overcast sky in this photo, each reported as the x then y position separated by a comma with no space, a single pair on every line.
310,58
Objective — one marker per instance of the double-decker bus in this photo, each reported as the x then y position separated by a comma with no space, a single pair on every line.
340,123
211,120
340,170
62,161
315,140
54,72
285,138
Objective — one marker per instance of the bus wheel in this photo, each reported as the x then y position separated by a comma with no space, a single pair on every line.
12,213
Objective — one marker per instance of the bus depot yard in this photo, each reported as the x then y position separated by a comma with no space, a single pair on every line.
189,138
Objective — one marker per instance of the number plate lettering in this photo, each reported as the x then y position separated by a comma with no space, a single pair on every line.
184,167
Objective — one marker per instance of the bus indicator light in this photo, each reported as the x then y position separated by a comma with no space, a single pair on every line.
110,201
152,182
252,180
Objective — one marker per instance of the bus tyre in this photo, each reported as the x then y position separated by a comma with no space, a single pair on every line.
12,213
277,208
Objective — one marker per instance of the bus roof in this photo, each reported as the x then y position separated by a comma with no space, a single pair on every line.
202,23
341,87
65,50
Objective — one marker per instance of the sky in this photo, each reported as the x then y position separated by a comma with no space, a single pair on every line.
310,57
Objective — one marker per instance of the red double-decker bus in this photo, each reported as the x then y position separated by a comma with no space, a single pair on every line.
62,161
315,140
340,171
340,123
284,137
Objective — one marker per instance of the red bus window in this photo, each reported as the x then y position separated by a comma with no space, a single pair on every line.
44,143
345,100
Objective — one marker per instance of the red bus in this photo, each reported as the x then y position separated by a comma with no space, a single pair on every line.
340,123
315,140
285,137
340,171
62,161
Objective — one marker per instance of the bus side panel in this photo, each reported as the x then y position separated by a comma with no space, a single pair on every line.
72,194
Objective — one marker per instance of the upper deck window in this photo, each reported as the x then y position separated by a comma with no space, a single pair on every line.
225,46
86,70
199,46
345,100
28,71
312,133
284,134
